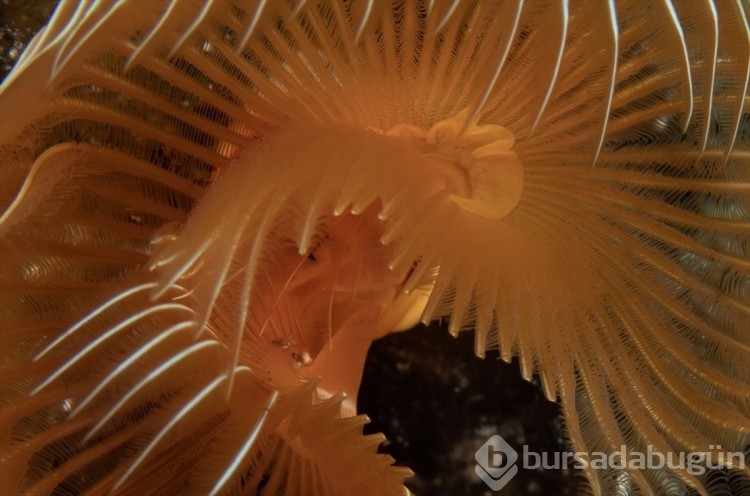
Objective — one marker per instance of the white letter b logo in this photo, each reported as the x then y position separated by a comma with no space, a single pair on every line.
496,463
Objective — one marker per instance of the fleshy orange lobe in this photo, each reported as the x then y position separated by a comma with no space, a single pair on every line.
482,172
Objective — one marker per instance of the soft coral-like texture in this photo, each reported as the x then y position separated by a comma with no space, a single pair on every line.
192,197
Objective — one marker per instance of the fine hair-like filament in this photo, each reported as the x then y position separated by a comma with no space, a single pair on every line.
209,209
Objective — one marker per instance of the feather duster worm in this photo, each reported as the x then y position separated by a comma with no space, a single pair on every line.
210,210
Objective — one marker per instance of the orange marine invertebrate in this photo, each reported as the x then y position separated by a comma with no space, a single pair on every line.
211,209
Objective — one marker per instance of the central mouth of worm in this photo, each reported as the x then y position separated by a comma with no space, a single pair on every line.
480,168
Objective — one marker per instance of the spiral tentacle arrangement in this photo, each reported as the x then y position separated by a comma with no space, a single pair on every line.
208,211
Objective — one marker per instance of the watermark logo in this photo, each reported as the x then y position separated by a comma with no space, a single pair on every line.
496,462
